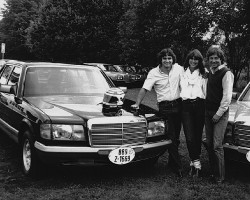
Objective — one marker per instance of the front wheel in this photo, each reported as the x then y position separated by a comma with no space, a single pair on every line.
29,158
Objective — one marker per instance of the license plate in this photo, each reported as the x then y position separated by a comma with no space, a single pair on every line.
248,156
122,155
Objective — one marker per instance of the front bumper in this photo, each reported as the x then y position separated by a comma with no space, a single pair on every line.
95,156
236,153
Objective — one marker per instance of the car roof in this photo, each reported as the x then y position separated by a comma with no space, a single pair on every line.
7,60
97,64
44,64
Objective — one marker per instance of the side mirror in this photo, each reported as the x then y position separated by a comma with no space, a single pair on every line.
11,89
235,95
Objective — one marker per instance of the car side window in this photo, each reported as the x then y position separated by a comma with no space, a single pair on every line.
14,77
105,67
6,74
129,69
112,68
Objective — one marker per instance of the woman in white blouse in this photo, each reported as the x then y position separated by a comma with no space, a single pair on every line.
193,92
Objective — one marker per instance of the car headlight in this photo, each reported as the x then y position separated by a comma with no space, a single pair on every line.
229,129
156,128
138,77
62,132
119,77
228,138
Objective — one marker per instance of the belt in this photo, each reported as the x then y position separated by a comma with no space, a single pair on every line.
171,102
191,100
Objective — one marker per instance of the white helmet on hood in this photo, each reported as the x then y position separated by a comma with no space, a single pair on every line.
113,97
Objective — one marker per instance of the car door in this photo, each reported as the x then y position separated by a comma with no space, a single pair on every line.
5,100
16,112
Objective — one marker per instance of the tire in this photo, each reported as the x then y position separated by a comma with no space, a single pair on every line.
30,162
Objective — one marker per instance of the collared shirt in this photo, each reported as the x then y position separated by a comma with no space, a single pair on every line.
166,86
227,85
193,85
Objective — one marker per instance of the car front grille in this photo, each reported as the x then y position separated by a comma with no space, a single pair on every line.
242,135
126,78
117,134
132,77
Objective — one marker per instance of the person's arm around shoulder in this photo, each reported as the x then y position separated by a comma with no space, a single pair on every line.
180,71
204,82
140,97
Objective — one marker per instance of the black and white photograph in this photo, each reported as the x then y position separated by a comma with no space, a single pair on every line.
124,99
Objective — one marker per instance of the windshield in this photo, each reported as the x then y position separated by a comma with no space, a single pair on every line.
64,81
246,96
110,68
124,68
119,68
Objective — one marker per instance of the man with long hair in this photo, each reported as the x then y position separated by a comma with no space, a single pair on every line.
165,78
218,98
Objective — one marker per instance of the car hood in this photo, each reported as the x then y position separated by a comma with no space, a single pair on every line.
240,112
74,107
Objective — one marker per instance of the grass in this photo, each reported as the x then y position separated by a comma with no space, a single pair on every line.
119,183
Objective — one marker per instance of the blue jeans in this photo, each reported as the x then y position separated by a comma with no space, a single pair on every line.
193,119
214,138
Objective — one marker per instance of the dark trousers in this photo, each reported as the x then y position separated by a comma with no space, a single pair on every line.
172,113
214,138
193,119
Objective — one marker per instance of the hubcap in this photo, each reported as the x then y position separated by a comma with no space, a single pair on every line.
26,155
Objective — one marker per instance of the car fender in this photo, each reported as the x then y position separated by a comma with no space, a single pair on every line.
25,124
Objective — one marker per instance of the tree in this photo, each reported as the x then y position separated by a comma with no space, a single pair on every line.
247,35
127,31
16,19
230,22
150,25
76,31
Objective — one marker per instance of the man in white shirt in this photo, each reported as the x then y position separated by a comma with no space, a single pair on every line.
165,79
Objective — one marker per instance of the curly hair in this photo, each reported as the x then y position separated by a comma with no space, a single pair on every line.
197,55
166,52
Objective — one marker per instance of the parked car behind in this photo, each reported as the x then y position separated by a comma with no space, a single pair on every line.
135,79
74,115
119,78
237,136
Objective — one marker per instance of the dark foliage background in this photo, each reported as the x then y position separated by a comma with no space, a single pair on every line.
125,31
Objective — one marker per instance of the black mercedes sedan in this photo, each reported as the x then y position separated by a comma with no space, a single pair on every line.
74,115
